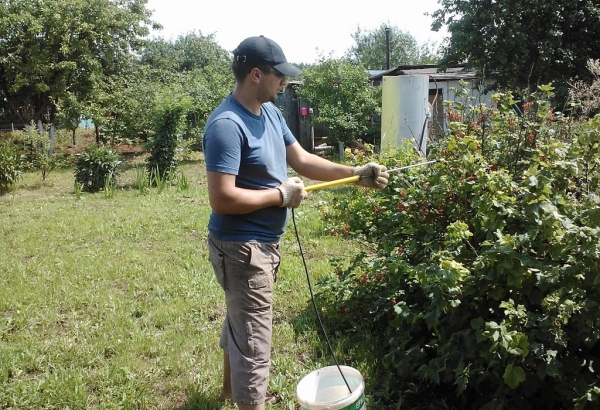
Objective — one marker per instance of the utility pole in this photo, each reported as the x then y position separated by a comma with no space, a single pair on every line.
387,47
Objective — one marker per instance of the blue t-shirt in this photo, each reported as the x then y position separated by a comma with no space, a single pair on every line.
253,148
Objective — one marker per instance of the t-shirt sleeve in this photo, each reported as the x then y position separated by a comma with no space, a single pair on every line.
222,146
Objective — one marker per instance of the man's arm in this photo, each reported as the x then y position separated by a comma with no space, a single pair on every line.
311,166
226,198
314,167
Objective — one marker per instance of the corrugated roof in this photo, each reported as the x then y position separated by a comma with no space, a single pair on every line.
431,70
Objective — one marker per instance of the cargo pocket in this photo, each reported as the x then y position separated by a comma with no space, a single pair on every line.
260,278
259,281
260,290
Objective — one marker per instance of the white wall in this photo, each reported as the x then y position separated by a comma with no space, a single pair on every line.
474,91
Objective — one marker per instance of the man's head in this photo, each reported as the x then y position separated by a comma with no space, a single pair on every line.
262,53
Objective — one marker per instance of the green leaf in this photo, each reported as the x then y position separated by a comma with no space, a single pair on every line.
513,376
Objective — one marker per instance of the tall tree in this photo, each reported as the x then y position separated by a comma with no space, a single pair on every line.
371,48
524,43
57,52
194,65
344,99
187,52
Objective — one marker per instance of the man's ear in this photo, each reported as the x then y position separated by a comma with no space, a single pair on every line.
255,74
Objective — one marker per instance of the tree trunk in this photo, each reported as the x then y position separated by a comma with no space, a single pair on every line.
76,122
531,88
52,131
51,135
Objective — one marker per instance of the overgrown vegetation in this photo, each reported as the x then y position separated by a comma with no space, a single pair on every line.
67,63
486,268
587,94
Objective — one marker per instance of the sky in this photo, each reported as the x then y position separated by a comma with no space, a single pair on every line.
305,30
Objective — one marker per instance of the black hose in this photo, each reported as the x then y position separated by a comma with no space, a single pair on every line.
312,297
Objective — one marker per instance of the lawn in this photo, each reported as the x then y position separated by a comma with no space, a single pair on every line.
107,301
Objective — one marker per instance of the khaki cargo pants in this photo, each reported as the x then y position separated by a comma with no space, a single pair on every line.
246,271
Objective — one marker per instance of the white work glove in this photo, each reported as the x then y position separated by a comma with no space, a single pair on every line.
372,175
292,192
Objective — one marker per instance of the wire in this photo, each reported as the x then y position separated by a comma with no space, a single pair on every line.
312,297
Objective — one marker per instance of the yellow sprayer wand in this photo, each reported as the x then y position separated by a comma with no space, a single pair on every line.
332,183
356,178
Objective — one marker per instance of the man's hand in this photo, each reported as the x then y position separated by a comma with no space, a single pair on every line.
292,192
372,175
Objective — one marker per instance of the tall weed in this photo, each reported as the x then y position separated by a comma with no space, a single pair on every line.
142,180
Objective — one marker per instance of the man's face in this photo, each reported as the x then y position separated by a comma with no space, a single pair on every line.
274,82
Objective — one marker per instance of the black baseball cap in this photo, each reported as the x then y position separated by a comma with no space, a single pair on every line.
263,50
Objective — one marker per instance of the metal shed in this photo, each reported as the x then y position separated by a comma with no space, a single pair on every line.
412,102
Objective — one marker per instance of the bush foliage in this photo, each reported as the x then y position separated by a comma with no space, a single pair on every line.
486,268
96,167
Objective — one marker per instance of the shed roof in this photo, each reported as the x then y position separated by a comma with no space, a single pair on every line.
430,70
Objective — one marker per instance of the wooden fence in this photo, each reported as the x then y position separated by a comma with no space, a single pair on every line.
298,114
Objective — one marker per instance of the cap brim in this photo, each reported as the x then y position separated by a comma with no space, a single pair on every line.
288,69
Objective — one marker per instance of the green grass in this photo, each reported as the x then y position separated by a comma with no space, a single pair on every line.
107,301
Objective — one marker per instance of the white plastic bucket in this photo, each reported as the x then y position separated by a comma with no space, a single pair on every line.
325,389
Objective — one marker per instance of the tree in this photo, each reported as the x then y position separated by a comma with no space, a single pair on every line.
344,99
187,53
524,44
371,48
588,95
207,87
195,65
54,53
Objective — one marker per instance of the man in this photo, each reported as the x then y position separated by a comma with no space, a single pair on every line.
247,147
